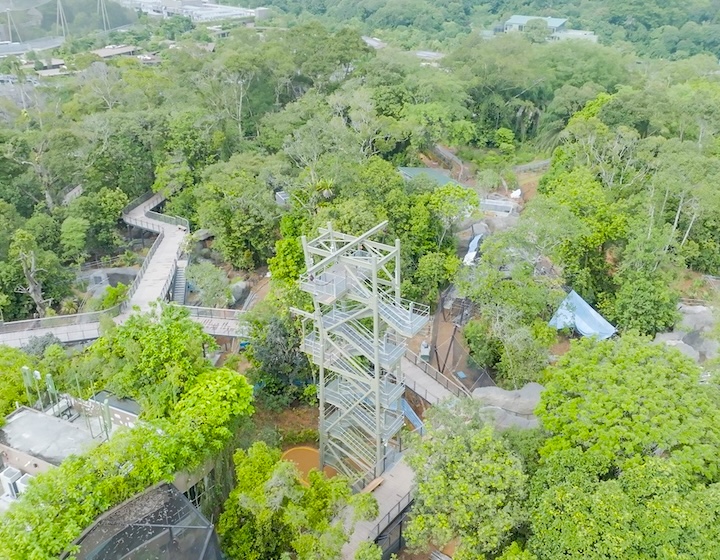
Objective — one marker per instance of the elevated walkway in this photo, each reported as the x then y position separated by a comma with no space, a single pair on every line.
427,382
153,281
159,273
393,496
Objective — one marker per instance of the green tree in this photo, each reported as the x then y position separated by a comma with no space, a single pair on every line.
133,459
12,389
280,369
227,192
211,282
623,400
537,30
469,484
434,271
73,238
102,209
153,357
271,514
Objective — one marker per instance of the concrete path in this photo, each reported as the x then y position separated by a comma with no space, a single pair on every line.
393,495
421,383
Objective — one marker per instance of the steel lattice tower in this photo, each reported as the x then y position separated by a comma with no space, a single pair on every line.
356,335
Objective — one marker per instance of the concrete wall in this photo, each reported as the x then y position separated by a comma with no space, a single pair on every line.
22,461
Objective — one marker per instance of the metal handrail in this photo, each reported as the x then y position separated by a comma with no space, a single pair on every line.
381,525
446,382
146,262
214,312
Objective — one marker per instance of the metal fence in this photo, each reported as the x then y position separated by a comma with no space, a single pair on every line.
532,166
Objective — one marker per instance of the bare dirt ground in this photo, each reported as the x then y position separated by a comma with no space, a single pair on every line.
561,347
404,555
528,182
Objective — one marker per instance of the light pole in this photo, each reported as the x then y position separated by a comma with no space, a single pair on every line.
37,377
27,382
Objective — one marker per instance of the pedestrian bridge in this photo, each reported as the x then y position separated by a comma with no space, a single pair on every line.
153,281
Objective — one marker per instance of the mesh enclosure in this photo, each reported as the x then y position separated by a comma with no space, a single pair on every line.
159,524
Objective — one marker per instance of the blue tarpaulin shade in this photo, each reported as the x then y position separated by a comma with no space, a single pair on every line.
576,313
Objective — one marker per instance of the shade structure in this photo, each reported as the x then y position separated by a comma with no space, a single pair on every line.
574,312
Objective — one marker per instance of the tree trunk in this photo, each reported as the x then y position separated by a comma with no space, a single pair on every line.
34,287
675,223
687,231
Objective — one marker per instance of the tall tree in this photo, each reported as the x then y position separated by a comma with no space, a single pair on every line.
470,485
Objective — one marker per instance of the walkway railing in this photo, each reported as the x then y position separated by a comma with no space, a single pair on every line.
59,321
388,518
143,268
94,316
447,383
214,313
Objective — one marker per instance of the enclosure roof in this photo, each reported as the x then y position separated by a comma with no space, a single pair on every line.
576,313
437,175
552,22
159,523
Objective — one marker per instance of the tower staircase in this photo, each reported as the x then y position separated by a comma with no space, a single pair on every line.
356,335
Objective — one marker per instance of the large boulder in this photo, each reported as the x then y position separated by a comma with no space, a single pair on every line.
521,402
239,291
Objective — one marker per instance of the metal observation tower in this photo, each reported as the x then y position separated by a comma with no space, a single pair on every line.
356,335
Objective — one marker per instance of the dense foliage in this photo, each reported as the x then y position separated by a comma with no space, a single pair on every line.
624,467
667,29
480,505
62,502
272,514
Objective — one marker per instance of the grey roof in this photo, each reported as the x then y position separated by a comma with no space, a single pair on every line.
522,20
44,436
440,176
160,524
126,405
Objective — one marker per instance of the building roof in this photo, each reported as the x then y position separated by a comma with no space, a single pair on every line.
160,523
51,72
126,405
429,55
374,42
44,436
440,176
115,50
523,20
